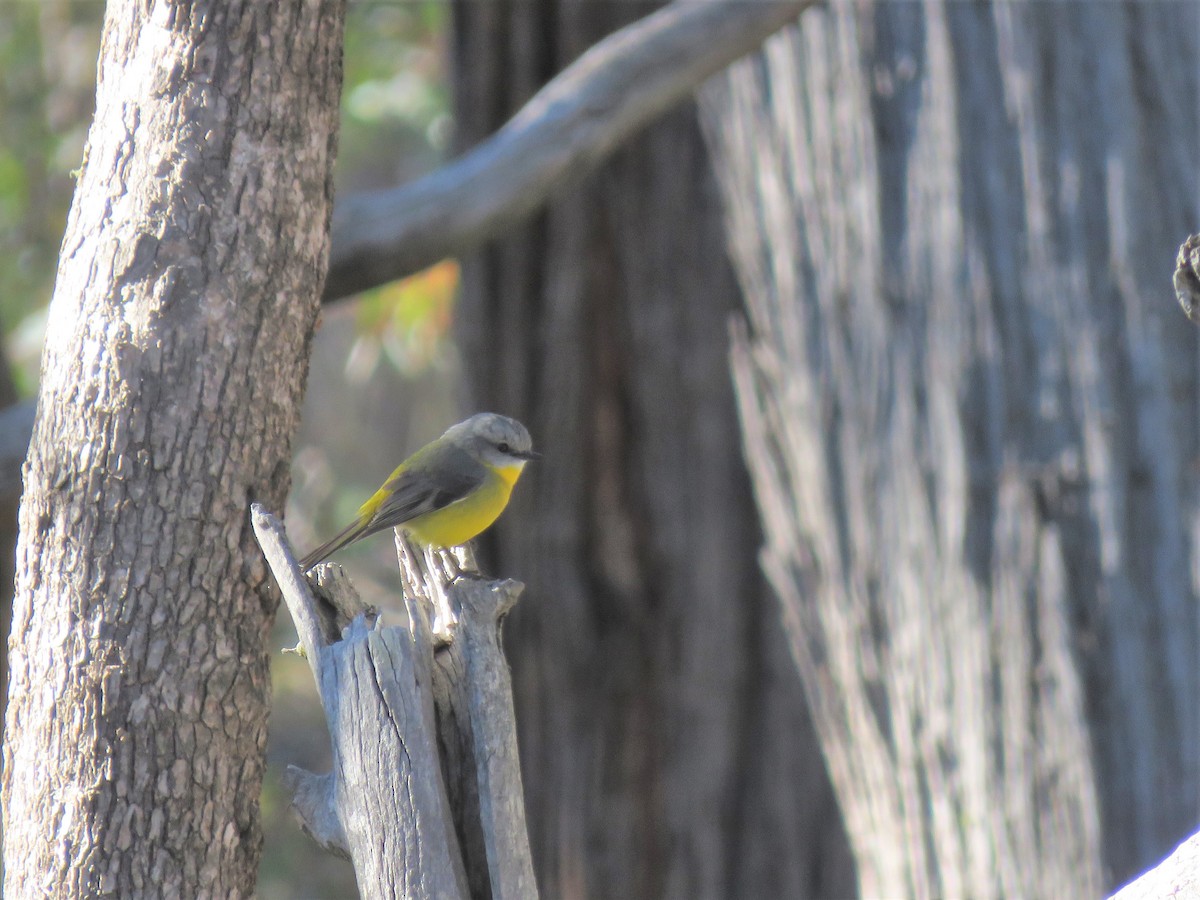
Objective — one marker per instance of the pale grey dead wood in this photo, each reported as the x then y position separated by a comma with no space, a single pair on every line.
384,802
501,796
314,799
425,598
427,575
389,790
472,689
575,122
300,602
338,603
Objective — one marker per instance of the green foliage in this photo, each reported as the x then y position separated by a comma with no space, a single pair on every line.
394,62
46,96
395,105
395,124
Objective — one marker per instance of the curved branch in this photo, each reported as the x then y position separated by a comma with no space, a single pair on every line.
568,128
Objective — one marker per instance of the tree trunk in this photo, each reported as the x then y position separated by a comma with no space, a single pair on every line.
969,403
179,330
666,747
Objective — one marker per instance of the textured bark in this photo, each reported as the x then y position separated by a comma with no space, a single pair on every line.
477,731
665,744
186,297
969,403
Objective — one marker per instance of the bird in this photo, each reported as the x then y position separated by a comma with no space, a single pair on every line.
447,492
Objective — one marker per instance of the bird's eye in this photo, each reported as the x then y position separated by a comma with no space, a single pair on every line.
503,447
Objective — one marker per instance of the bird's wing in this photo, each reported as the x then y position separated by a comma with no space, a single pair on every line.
408,494
417,490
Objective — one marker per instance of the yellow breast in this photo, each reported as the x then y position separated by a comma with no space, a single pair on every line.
464,519
510,474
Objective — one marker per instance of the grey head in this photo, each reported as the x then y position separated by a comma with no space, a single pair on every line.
494,439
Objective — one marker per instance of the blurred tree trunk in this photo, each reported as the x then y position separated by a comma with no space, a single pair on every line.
185,301
970,408
666,746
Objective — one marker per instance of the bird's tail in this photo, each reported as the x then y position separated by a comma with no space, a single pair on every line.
349,534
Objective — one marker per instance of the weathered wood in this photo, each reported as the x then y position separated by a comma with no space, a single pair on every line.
338,603
383,803
472,693
386,804
314,798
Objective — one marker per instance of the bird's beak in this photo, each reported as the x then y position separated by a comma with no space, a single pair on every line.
528,454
